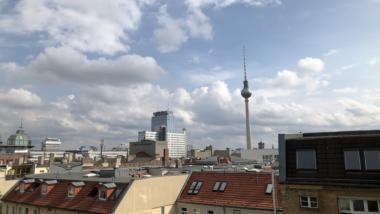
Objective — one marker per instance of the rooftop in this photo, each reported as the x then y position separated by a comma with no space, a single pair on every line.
79,176
86,200
244,190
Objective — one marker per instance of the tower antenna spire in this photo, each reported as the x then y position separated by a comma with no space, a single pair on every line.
245,66
21,124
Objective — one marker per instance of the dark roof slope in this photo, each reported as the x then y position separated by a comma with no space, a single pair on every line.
245,190
57,198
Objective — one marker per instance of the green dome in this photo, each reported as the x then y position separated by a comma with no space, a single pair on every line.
19,139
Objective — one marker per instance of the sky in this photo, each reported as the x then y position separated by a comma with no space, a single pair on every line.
92,69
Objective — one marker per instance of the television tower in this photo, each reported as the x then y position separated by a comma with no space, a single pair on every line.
246,94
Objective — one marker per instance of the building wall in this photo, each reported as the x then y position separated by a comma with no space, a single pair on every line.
327,197
176,142
5,185
201,154
33,209
260,155
150,194
203,209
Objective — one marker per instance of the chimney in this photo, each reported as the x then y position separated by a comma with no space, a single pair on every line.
70,157
40,160
21,160
261,145
118,161
51,158
165,159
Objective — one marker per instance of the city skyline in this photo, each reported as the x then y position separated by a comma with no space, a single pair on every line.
81,73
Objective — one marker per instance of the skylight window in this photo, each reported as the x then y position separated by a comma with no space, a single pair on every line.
219,186
195,187
269,189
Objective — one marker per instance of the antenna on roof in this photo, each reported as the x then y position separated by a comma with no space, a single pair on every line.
21,125
244,65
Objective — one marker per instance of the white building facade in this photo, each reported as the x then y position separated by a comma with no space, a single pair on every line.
264,156
176,141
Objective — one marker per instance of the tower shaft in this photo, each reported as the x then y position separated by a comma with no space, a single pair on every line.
247,124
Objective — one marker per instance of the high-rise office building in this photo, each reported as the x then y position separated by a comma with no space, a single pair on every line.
163,129
163,119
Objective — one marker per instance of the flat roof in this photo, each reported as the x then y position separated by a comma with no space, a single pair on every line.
79,176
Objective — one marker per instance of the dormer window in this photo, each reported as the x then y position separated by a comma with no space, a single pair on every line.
106,190
25,184
22,188
103,194
47,186
44,189
74,188
71,191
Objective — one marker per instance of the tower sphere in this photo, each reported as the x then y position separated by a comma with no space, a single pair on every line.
245,92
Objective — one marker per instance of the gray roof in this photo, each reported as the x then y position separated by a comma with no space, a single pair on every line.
77,183
109,185
28,181
50,182
79,176
68,166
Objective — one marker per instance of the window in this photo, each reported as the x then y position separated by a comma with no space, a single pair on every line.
7,212
306,159
372,160
183,210
19,210
162,210
195,211
102,195
352,160
210,212
269,189
71,191
235,211
309,202
44,189
26,210
22,188
357,205
195,187
13,210
219,186
35,211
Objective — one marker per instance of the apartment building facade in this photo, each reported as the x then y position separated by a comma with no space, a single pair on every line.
330,172
85,193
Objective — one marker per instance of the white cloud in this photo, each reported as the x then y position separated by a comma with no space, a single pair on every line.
347,90
64,64
348,67
374,61
20,98
307,76
331,52
310,64
171,34
226,3
86,25
174,32
212,76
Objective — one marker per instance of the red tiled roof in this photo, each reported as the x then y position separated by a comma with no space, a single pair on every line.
57,198
245,190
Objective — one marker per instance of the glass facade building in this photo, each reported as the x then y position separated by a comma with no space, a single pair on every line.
163,119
